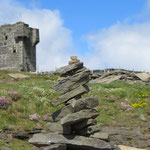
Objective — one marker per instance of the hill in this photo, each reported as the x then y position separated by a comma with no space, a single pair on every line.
25,108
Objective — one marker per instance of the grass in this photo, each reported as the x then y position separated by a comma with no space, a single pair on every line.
35,94
110,97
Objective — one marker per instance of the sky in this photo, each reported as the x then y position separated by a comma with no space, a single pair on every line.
102,33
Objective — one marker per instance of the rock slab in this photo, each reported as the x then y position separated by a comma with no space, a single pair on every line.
19,76
64,98
54,147
58,129
72,82
67,70
74,118
72,142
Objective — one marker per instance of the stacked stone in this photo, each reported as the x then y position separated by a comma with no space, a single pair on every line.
78,112
78,128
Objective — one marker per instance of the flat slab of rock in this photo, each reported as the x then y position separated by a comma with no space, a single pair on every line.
58,129
76,106
18,76
144,76
107,80
64,98
54,147
59,114
72,82
4,148
101,135
74,118
83,124
122,147
89,130
72,142
85,103
69,69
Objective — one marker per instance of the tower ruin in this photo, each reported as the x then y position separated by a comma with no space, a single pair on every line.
18,47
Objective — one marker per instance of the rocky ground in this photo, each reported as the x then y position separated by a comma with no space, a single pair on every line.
123,108
121,75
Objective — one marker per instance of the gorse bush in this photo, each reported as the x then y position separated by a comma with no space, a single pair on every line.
4,103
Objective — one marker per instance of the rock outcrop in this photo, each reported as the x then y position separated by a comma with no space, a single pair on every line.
122,75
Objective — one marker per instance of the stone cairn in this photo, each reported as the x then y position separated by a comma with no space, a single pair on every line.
78,129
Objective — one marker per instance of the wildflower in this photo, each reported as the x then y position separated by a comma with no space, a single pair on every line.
45,118
14,95
125,106
134,115
105,107
25,96
147,101
4,103
35,117
139,104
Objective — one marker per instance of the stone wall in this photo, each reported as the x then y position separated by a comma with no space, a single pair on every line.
18,47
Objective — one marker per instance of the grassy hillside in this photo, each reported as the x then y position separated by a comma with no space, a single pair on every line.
121,104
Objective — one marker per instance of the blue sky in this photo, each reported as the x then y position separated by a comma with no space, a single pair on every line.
82,16
102,33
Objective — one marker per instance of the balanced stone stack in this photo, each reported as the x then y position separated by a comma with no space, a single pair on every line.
78,112
78,128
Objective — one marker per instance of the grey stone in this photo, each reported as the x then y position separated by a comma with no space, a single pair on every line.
144,76
18,76
35,148
55,147
89,130
69,69
18,47
118,75
4,148
83,124
76,106
64,98
20,135
62,112
72,82
59,129
123,147
73,61
74,118
142,117
115,147
72,142
101,135
85,103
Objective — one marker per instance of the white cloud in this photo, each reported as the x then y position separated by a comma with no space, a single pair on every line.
55,44
123,45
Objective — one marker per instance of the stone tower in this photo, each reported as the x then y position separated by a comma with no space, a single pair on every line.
18,47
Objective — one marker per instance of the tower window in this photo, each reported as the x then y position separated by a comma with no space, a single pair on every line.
6,37
14,51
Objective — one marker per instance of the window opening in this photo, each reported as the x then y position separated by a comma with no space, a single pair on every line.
14,51
6,37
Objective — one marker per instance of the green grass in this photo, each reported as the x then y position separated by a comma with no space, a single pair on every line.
35,94
16,144
111,95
